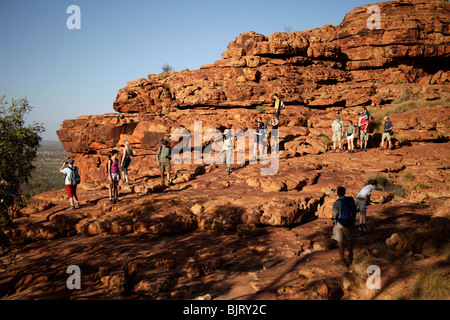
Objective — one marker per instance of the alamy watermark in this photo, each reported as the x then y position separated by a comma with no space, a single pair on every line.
374,21
74,20
374,280
74,280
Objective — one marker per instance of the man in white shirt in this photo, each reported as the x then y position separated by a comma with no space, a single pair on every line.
71,172
362,199
338,133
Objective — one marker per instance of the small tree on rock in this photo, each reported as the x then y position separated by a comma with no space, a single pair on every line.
166,68
18,147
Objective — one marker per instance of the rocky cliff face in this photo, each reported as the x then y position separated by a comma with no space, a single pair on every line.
347,65
330,69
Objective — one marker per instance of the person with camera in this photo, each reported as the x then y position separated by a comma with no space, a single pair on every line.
72,179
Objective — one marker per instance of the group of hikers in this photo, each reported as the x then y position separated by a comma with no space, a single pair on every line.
115,173
362,132
116,170
344,209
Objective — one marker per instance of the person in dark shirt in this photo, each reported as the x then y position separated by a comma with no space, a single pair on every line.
340,232
387,132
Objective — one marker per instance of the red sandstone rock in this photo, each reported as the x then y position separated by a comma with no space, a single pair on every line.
333,65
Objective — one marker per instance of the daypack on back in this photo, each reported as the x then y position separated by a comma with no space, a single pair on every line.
282,106
76,176
348,212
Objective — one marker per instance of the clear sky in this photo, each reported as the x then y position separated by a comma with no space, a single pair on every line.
69,73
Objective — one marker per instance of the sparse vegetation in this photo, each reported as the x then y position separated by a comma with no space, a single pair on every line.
400,107
380,252
387,185
261,109
166,68
408,176
432,284
288,29
421,186
401,138
325,139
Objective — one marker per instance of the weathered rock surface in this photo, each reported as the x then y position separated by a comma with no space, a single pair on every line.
209,235
347,65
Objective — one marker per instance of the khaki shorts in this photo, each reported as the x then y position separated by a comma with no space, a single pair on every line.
364,136
386,135
361,204
337,136
164,167
340,232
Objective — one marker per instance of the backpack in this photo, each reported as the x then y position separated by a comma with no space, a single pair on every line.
76,176
347,217
282,106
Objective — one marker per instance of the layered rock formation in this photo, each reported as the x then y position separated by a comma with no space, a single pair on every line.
318,72
347,65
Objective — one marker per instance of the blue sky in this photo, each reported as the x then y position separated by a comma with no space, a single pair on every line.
69,73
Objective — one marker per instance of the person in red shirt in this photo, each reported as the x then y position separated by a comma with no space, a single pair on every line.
364,134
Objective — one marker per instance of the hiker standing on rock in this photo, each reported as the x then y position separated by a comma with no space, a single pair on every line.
163,157
364,133
338,132
387,132
350,136
361,116
344,214
112,167
279,105
260,138
71,180
127,152
362,200
227,149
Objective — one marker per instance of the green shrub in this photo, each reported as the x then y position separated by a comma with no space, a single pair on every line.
421,186
261,109
325,139
408,176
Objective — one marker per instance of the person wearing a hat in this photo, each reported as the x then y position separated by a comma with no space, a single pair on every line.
71,180
364,133
387,132
338,132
